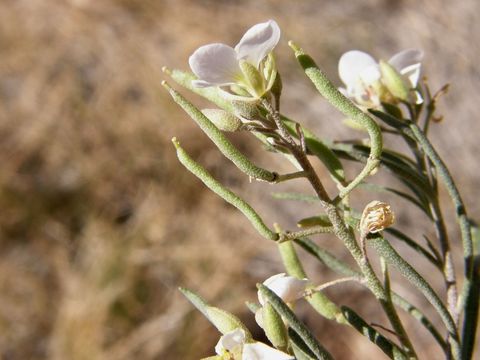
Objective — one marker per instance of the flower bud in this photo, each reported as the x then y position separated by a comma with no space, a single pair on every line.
222,119
393,81
254,78
376,216
225,322
245,110
274,327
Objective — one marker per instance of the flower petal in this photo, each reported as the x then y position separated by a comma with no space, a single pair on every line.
215,65
408,63
351,65
258,42
288,288
370,74
230,341
260,351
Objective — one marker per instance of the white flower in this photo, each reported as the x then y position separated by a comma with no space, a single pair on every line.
288,288
361,74
244,65
233,343
260,351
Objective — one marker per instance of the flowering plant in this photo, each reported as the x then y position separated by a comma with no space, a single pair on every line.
386,96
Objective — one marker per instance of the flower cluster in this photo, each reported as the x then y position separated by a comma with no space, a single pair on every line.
249,66
369,83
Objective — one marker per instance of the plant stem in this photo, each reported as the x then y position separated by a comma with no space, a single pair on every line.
345,234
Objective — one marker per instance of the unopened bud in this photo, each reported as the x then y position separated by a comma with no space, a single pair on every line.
274,327
222,119
376,216
245,109
393,81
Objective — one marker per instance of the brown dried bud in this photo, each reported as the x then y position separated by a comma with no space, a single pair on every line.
376,216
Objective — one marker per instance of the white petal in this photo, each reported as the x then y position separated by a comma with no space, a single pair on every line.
258,42
370,74
288,288
260,351
351,64
230,341
408,63
259,317
215,65
412,74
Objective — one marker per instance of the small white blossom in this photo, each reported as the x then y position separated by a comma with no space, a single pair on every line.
232,342
361,74
288,288
221,65
232,345
260,351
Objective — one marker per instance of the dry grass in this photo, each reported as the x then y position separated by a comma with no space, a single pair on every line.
100,224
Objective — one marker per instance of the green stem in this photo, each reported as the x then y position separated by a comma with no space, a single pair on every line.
344,269
328,90
319,301
343,233
224,193
307,232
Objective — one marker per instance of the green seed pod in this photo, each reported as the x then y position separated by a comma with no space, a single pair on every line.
274,327
253,77
393,81
222,119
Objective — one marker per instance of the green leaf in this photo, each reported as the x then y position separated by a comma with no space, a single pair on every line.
294,196
387,346
226,194
390,119
196,300
300,350
295,324
472,303
320,220
385,250
414,245
342,268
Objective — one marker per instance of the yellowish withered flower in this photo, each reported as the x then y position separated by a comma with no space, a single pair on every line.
376,216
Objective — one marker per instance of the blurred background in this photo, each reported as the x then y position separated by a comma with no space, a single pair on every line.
99,222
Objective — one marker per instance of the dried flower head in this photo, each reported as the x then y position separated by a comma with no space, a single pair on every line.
376,216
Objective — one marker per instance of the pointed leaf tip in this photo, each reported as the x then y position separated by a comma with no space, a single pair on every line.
166,85
177,145
294,46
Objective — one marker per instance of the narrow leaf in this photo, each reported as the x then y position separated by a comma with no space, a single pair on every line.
224,193
387,346
303,332
295,197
